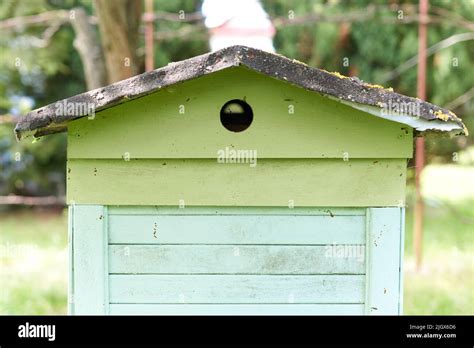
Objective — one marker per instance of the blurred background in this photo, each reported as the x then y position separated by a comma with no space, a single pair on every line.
53,49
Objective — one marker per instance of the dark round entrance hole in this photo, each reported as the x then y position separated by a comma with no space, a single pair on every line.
236,115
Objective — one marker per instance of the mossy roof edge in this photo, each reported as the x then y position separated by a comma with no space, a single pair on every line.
350,90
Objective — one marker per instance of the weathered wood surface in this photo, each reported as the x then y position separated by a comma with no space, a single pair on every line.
118,210
90,260
323,183
184,122
237,309
384,260
231,259
346,89
237,289
236,229
174,277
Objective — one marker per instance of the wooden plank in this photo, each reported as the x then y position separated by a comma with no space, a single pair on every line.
236,229
90,260
248,211
70,246
384,231
231,259
323,183
402,257
236,309
184,122
237,289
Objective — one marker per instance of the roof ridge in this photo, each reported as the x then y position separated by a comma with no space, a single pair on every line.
349,90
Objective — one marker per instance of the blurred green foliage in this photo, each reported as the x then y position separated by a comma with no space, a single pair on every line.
36,72
176,49
38,75
373,48
31,73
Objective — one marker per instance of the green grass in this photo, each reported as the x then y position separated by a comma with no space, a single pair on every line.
445,282
33,260
33,263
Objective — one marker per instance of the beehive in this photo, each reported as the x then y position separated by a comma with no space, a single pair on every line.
238,182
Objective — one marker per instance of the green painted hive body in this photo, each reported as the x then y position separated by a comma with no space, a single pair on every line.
166,219
159,226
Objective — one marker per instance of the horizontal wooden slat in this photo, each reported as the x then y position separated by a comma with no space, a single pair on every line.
236,289
216,210
313,182
221,259
183,121
236,229
236,309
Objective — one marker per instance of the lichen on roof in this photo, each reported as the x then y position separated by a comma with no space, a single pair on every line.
441,115
335,73
349,90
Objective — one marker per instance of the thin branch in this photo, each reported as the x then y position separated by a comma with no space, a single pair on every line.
377,13
371,12
7,118
45,18
175,17
354,16
452,40
182,33
58,17
33,201
47,35
455,17
462,99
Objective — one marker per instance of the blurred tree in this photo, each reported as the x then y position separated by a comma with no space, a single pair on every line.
182,37
371,38
44,59
89,48
119,21
40,63
37,66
